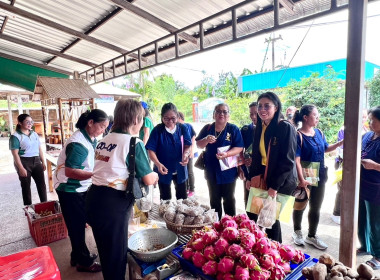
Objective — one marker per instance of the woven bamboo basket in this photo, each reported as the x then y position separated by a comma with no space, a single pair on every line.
183,229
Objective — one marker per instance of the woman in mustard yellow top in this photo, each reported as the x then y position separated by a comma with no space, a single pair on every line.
281,136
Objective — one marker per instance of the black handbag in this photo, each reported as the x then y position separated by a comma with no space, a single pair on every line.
200,162
135,185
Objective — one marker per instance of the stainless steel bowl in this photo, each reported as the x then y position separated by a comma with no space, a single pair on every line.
146,239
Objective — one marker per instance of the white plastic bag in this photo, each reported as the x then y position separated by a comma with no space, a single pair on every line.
267,215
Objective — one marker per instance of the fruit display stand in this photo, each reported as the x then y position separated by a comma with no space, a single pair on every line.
69,98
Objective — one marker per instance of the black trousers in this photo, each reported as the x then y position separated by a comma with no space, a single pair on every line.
73,211
166,192
108,213
190,182
274,233
219,192
34,170
315,202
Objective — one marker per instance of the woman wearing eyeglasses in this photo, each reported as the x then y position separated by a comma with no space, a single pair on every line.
28,158
169,149
274,148
311,147
221,184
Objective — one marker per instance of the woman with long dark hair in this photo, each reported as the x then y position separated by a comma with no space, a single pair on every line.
311,147
28,158
274,147
72,178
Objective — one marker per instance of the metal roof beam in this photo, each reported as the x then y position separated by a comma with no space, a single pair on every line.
35,64
45,50
60,27
288,5
153,19
6,19
90,30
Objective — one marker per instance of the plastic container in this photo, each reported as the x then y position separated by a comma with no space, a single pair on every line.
48,228
36,263
189,266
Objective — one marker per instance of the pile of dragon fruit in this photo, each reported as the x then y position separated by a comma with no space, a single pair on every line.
236,248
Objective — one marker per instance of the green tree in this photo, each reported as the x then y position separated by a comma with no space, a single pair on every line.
374,91
326,92
226,86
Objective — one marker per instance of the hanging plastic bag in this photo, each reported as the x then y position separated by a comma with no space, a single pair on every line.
145,203
267,215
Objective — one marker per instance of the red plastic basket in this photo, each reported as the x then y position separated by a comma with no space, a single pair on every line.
49,228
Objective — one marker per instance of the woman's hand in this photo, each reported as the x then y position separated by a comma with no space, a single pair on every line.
162,169
222,155
210,139
248,184
369,164
185,159
303,183
272,192
23,172
43,165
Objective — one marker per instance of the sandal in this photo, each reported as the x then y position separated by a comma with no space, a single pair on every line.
360,252
374,263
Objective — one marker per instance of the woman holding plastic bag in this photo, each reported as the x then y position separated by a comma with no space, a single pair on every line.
273,154
312,173
215,137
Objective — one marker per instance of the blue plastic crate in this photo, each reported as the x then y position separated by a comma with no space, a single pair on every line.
189,266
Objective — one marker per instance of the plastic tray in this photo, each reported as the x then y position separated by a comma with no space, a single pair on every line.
189,266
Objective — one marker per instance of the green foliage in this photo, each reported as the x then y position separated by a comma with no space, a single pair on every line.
240,109
326,92
4,104
374,89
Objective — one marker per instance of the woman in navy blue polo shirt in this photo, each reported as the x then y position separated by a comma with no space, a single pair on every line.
311,147
221,184
169,149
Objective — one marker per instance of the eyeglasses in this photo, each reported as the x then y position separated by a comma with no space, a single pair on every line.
172,119
265,107
224,112
29,122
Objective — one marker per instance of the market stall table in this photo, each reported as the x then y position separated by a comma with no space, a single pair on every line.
51,160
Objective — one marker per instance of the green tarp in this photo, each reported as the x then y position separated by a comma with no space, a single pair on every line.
23,75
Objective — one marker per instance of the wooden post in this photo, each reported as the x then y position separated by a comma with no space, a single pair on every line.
10,116
60,120
352,136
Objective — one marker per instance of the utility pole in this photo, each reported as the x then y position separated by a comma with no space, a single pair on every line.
273,40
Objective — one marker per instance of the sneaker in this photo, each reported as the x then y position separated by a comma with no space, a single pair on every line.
336,219
190,194
298,238
316,242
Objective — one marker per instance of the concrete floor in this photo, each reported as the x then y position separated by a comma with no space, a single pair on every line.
15,236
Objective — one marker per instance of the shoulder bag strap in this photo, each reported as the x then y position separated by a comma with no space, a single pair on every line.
131,164
300,134
266,166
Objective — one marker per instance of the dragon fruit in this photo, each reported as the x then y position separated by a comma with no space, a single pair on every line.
250,261
209,253
210,268
228,276
266,261
247,240
220,276
221,246
198,259
248,224
231,234
240,218
225,218
299,257
196,234
230,223
275,255
226,265
287,252
235,251
187,253
258,232
262,246
198,244
277,273
218,226
241,273
259,274
210,237
285,266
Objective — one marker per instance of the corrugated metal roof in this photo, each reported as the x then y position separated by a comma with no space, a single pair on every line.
57,25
